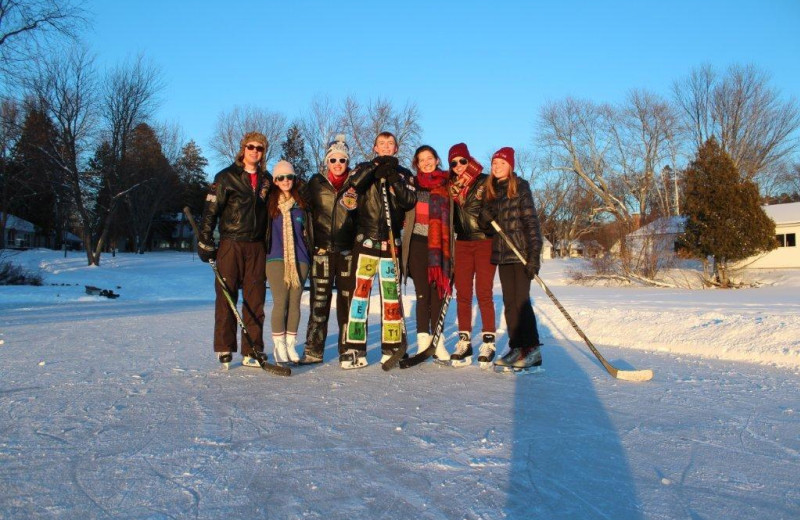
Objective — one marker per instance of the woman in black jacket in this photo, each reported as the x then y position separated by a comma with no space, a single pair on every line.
509,202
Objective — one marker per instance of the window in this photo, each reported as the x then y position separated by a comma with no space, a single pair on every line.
786,240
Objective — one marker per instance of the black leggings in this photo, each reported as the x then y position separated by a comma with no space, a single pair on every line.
429,303
520,320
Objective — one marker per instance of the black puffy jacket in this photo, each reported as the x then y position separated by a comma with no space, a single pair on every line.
465,220
371,219
240,211
517,217
333,221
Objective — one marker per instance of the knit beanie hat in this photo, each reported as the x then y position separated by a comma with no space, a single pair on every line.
458,150
283,168
250,137
338,146
507,154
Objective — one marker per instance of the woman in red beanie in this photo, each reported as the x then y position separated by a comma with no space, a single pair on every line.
509,203
473,251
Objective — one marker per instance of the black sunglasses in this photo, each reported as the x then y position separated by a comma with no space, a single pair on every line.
333,160
258,148
456,162
289,177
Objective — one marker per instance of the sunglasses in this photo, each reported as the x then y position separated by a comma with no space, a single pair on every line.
280,178
456,162
334,160
258,148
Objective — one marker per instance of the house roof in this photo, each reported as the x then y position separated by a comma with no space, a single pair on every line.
661,226
784,213
19,224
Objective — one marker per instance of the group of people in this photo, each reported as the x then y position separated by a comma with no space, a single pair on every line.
343,227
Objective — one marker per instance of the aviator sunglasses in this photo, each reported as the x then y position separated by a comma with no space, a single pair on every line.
280,178
456,162
333,160
258,148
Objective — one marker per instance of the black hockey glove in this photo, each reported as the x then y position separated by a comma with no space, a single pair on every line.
206,253
532,269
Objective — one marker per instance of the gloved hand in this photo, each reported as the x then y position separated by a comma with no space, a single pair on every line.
390,173
206,253
532,269
388,160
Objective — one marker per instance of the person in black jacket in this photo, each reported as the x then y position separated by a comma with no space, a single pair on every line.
374,252
332,203
474,251
509,202
236,201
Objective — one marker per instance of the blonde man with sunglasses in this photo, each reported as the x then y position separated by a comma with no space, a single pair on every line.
236,203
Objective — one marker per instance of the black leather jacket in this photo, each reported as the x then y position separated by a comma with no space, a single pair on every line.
465,220
371,219
231,202
518,218
333,222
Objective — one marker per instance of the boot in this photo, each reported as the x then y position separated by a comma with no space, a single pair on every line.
291,353
423,341
463,354
521,357
487,350
281,356
441,353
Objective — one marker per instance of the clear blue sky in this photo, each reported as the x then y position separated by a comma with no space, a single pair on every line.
478,70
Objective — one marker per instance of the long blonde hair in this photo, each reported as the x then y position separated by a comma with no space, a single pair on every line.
491,190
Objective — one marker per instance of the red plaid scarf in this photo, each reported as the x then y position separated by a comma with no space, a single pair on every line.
460,185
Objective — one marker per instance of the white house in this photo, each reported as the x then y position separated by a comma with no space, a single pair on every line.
659,236
787,229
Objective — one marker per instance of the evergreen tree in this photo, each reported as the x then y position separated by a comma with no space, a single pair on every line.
294,151
190,168
725,219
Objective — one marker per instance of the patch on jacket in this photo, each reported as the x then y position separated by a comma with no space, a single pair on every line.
479,192
262,194
349,199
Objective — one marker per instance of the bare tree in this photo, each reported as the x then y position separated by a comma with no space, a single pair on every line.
27,27
232,126
362,123
65,88
319,125
748,117
644,129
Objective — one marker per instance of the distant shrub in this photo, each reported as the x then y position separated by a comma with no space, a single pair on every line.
11,274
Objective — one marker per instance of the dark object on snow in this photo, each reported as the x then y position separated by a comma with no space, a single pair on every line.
96,291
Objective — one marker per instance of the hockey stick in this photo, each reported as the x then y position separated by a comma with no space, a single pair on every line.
627,375
398,354
257,355
419,357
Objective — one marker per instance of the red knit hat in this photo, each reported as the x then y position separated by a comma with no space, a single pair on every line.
507,154
458,150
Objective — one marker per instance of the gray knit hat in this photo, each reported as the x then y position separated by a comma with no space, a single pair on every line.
338,146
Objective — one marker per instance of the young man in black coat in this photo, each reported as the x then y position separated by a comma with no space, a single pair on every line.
374,250
332,204
236,201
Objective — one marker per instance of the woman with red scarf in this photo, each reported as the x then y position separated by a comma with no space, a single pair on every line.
428,245
474,250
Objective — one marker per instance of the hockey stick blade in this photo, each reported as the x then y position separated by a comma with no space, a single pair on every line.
419,357
625,375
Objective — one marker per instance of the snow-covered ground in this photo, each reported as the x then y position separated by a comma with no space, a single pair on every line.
119,409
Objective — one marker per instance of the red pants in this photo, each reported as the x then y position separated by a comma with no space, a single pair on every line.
473,262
